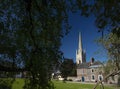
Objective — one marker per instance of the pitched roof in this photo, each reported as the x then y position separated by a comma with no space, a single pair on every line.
97,63
83,65
89,65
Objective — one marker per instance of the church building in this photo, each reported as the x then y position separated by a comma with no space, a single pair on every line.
87,71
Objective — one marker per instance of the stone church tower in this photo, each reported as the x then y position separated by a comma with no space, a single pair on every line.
80,54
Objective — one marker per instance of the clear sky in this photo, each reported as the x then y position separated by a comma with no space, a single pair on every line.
89,33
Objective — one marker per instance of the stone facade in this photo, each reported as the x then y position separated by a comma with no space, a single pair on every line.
87,71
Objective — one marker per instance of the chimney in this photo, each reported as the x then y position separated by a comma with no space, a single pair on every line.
92,60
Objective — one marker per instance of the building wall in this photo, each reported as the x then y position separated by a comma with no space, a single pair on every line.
83,73
94,72
89,74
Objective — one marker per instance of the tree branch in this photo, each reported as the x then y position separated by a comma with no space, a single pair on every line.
109,75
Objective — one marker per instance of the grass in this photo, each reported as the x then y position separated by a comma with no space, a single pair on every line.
61,85
19,83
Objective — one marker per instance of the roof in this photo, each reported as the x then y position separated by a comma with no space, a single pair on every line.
97,63
83,65
89,65
94,66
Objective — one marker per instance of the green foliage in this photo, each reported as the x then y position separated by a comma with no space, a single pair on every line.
68,68
31,32
106,12
6,83
30,37
112,44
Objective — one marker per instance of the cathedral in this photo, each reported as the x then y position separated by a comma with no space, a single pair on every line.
87,71
80,54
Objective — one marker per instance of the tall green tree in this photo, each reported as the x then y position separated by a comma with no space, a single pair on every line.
30,37
68,68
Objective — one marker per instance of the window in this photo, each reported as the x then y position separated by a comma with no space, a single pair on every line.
92,70
100,77
93,77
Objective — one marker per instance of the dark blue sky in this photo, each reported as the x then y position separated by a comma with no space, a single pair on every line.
89,33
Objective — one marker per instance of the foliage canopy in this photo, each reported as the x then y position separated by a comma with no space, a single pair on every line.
31,32
68,68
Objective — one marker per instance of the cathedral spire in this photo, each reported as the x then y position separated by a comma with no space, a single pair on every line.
80,54
80,41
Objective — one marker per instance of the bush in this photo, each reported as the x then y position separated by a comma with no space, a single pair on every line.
70,80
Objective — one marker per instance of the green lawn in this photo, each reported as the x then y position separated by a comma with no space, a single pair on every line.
18,84
60,85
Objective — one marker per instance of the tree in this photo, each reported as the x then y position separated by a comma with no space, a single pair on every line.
106,13
30,37
68,68
31,32
111,43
